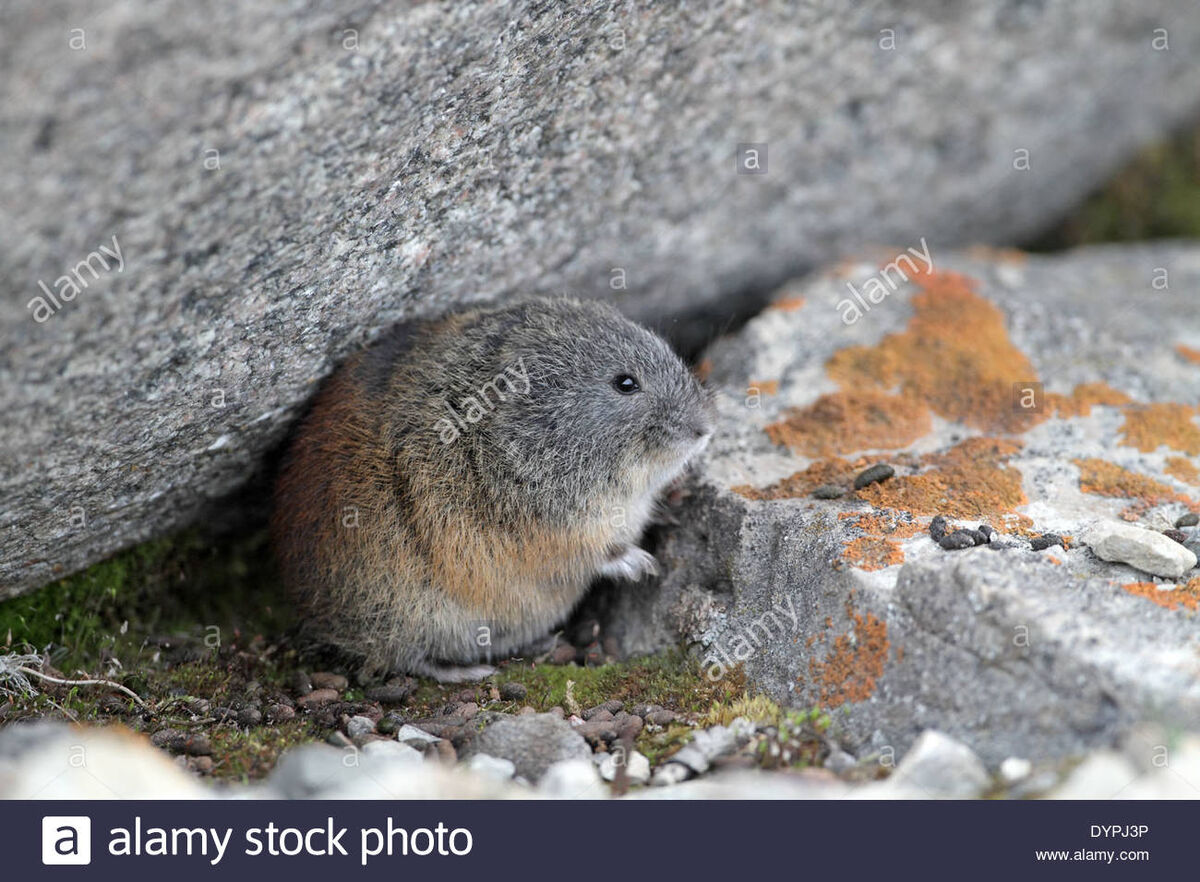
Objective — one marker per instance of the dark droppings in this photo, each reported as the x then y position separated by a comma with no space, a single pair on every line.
873,475
937,528
1177,535
959,539
1190,519
1046,540
828,491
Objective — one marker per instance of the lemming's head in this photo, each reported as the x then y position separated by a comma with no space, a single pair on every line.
601,403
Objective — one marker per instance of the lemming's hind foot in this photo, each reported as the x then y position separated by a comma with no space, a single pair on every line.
453,673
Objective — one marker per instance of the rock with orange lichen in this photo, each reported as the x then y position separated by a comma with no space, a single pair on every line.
996,399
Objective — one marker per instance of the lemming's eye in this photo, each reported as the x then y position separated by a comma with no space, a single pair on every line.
625,384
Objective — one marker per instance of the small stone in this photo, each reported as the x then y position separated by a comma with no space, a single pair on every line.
1176,536
598,716
251,716
413,735
394,691
828,491
202,765
339,739
393,751
467,709
177,741
937,528
1046,540
491,767
300,683
279,713
1190,519
513,691
660,717
628,726
1142,549
611,707
598,732
532,743
442,727
957,540
839,762
1015,769
326,680
572,779
873,475
637,767
316,698
356,727
939,766
670,773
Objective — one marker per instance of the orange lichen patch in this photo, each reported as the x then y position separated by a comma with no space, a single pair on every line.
992,254
1183,469
955,355
970,480
872,553
847,421
826,471
1109,479
853,664
1084,397
763,387
1192,355
788,304
1182,597
1149,425
877,548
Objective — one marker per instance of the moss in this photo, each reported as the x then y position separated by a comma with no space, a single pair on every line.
184,586
1157,196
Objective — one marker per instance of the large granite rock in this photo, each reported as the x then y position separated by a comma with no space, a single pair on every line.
1034,394
275,184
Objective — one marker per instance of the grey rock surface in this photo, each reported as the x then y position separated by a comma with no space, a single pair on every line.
533,743
281,183
849,604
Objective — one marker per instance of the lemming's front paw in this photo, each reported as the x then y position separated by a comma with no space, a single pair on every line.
630,563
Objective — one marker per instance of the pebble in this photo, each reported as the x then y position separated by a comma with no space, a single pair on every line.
251,716
1142,549
1015,769
611,707
513,691
412,734
637,768
957,540
938,765
839,762
280,713
394,691
660,717
317,697
706,745
598,731
442,727
356,727
572,779
177,741
339,739
1190,519
1046,540
937,528
670,773
326,680
873,475
828,491
491,767
393,750
1176,536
